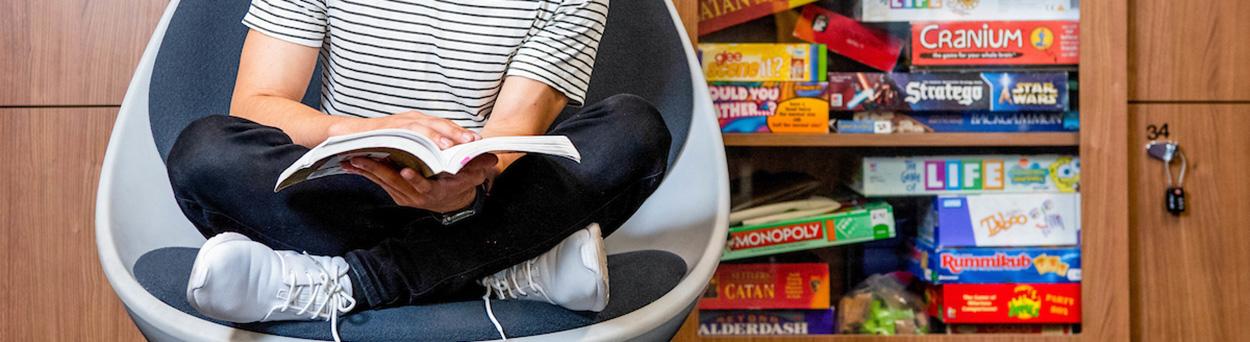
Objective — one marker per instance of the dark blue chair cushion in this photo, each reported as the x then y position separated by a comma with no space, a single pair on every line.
637,279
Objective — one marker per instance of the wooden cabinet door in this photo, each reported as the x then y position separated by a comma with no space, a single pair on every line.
1188,50
1191,273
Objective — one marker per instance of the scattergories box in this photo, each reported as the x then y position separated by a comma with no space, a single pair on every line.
765,322
995,43
989,265
949,91
872,221
1002,220
968,174
963,10
771,107
767,286
1005,303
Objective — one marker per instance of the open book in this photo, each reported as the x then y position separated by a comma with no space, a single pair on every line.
402,148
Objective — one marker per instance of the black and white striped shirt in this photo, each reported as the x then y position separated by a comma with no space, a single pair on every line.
444,58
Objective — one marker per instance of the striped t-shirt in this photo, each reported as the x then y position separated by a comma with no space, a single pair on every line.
444,58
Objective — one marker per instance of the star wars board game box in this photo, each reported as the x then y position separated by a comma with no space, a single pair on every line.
949,91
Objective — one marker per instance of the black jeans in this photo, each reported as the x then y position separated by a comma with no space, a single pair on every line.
223,171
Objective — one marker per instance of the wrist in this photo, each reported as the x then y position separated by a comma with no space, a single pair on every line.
473,208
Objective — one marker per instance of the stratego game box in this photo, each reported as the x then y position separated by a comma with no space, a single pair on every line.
990,91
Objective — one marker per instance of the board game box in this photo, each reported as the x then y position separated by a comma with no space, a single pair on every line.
767,286
1022,328
715,15
969,174
873,47
750,62
765,322
995,43
959,122
938,265
989,91
1001,220
872,221
964,10
1005,303
771,107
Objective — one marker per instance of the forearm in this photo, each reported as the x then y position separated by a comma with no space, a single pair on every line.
305,126
524,107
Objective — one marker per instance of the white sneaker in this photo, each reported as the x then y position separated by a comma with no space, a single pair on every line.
573,275
239,280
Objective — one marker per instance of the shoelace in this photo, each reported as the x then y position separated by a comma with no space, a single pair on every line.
326,286
506,285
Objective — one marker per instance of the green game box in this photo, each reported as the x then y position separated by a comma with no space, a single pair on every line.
869,222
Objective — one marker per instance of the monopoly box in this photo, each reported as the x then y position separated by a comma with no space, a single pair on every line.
715,15
765,322
994,265
988,91
767,286
1005,303
872,221
968,174
962,10
959,122
763,62
1001,220
771,107
995,43
872,46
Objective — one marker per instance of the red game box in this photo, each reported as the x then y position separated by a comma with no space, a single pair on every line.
995,43
873,47
768,286
1005,303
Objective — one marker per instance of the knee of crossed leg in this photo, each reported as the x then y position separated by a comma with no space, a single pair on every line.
643,134
200,155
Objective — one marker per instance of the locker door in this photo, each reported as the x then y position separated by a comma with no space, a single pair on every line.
1191,273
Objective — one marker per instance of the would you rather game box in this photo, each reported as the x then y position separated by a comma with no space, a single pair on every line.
763,62
771,107
991,265
768,286
1005,303
969,174
995,43
1002,220
949,91
872,221
765,322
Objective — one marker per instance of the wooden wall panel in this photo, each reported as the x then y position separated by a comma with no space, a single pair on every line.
54,288
1188,50
72,52
1191,277
689,12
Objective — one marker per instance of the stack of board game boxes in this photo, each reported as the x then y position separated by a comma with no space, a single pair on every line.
998,247
1001,240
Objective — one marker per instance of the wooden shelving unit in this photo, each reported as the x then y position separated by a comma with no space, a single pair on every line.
904,140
